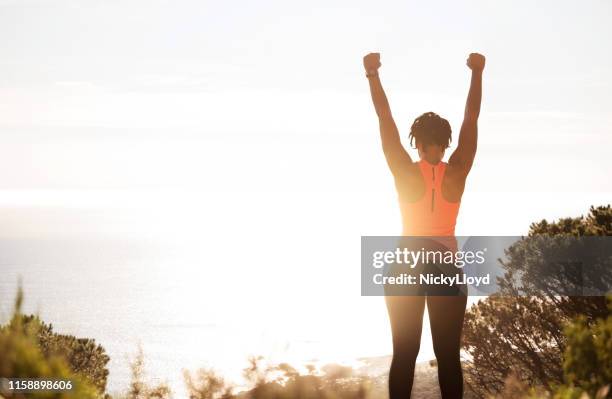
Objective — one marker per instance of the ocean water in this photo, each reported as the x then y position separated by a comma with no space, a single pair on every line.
183,312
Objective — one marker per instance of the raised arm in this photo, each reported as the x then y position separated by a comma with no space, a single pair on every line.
463,157
396,155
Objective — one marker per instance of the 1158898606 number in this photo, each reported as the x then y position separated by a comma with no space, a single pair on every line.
15,385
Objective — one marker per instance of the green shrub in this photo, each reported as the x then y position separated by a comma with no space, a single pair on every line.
22,357
588,355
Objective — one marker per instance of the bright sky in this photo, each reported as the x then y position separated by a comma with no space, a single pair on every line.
270,96
211,119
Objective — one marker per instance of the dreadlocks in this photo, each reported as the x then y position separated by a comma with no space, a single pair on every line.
430,128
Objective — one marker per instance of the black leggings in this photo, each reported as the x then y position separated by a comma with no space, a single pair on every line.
446,320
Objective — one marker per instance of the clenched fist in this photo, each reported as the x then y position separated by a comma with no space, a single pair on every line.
476,62
371,62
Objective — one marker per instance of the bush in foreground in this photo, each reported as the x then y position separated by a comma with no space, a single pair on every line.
21,357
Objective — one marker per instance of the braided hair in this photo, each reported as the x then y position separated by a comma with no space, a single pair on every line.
430,128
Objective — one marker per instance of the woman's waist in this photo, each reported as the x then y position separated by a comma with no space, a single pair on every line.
411,229
426,240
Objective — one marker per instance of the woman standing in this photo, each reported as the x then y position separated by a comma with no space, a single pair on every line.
429,193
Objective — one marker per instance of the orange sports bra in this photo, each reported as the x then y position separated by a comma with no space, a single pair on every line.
432,215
